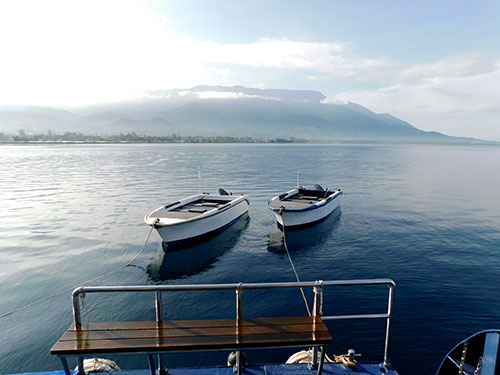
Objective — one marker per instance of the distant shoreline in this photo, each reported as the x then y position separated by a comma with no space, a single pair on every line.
307,142
133,138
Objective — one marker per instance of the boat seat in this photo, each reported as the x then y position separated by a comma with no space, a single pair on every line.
210,204
91,339
309,197
198,210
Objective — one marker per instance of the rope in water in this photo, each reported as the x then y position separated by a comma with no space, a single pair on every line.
88,281
291,261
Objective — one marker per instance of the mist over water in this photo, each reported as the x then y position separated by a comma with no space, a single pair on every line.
426,216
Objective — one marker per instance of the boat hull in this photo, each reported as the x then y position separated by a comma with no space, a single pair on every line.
290,219
189,231
300,207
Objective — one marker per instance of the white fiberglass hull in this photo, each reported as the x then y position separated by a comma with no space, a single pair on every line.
293,216
293,219
179,231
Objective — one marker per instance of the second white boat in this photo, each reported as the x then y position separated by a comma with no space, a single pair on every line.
301,206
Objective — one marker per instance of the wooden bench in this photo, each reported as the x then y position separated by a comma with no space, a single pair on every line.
190,335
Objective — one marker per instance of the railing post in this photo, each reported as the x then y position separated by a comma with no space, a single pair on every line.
158,305
239,293
318,292
81,368
159,319
76,311
318,289
388,328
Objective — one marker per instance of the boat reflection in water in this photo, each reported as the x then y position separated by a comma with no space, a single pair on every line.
306,236
177,262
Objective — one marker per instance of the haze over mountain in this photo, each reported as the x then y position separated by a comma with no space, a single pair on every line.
224,111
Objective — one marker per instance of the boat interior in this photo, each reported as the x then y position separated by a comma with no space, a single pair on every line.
193,208
302,199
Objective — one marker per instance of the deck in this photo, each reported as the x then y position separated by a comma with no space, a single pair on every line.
269,369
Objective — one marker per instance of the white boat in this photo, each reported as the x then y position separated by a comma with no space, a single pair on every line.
301,206
197,216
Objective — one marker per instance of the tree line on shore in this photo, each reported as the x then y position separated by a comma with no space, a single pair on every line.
132,137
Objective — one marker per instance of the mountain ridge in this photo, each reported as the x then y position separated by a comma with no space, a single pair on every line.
234,111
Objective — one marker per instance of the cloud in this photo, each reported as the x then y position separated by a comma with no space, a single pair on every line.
228,95
464,65
463,100
60,52
333,60
66,52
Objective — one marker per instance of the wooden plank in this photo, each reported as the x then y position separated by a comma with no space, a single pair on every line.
196,323
189,343
139,337
189,332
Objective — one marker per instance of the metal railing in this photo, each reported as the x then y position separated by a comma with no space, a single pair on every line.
317,286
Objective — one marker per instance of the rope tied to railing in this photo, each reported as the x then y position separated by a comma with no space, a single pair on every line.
281,211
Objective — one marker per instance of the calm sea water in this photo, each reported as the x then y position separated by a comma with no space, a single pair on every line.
427,217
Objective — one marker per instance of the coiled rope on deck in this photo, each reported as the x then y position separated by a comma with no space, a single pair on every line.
4,315
281,210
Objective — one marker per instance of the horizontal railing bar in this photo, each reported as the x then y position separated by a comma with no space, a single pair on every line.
363,316
188,287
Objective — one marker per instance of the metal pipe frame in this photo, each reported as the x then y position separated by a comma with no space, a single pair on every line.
239,287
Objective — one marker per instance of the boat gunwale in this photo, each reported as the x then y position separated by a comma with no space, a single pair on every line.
230,204
321,203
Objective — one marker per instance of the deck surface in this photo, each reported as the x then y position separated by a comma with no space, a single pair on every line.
188,335
278,369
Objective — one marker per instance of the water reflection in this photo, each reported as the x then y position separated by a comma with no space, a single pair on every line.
175,263
304,237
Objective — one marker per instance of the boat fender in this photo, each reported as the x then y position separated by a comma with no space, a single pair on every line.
99,365
304,356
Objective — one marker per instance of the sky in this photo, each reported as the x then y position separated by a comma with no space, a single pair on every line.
435,64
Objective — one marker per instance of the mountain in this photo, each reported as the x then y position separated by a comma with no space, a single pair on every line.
225,111
15,118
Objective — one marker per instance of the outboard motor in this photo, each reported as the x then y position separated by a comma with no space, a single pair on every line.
317,187
223,192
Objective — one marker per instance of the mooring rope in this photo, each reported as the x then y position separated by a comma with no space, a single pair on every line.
73,288
291,261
